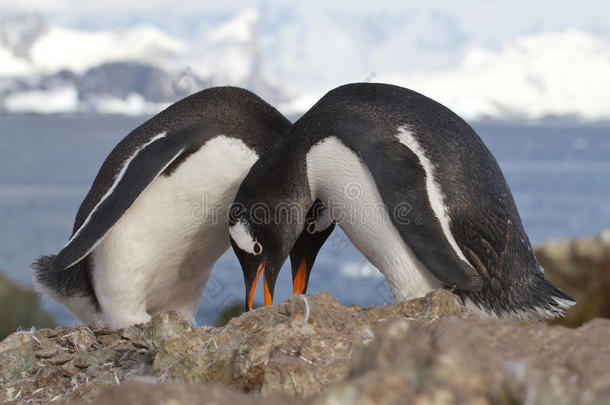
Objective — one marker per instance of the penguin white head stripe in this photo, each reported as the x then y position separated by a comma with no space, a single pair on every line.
243,238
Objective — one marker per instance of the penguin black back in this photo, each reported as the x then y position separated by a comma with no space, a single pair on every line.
238,112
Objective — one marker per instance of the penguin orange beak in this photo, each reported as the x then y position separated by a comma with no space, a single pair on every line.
268,296
300,280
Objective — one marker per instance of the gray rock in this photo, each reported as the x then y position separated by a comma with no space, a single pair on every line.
455,361
311,349
143,392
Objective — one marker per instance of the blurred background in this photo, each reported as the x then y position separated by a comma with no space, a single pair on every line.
531,77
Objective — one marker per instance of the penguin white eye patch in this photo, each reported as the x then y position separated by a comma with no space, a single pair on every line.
243,239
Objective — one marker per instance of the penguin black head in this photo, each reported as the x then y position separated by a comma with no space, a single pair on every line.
318,227
264,235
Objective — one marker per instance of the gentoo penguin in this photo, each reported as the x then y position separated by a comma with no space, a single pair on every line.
318,227
415,190
155,219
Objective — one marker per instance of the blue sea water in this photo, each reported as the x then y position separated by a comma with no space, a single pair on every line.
559,175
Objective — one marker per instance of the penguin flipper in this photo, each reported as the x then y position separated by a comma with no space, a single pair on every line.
138,171
401,181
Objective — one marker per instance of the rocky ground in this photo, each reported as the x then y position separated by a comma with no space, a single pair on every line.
311,349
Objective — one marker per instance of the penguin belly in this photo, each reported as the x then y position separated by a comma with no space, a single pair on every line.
339,178
160,253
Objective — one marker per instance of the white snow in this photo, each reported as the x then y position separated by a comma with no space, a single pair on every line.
63,48
230,53
10,65
57,100
537,76
134,104
238,28
551,74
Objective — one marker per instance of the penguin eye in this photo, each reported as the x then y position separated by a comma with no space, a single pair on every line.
258,248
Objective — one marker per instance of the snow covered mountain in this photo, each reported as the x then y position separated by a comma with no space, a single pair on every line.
51,69
540,76
43,48
563,74
291,56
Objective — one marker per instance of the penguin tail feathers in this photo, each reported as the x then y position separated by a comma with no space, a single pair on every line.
549,302
62,284
46,278
536,301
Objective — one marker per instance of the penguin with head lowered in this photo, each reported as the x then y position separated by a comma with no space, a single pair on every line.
415,190
154,222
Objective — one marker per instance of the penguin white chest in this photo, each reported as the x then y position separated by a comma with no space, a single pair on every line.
159,255
345,185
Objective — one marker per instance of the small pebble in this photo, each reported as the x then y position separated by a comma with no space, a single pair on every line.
81,363
101,329
46,352
61,358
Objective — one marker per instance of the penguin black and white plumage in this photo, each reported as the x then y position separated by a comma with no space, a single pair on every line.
155,219
413,187
318,227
